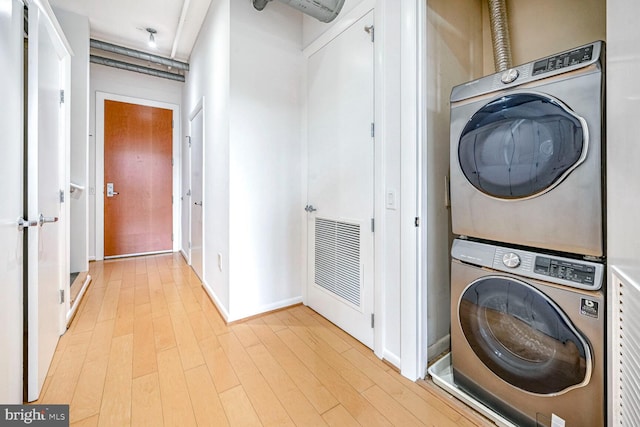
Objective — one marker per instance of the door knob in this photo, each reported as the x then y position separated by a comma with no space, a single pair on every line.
310,208
46,219
197,203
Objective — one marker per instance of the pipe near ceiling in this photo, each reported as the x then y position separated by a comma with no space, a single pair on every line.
500,35
132,53
322,10
136,68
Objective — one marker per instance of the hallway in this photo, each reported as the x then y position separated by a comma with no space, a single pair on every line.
148,347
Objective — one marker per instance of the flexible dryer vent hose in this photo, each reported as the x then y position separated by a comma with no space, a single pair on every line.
500,34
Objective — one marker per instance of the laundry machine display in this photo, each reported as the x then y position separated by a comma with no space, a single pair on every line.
527,154
524,341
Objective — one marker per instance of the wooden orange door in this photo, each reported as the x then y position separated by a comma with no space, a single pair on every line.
137,162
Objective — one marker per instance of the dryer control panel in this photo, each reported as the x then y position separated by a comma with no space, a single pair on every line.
550,268
562,60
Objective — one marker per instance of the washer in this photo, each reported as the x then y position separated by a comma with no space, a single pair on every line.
527,334
527,154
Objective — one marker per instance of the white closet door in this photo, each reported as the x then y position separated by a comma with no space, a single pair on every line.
46,149
197,156
340,112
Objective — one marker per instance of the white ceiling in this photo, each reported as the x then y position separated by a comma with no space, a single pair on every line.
124,22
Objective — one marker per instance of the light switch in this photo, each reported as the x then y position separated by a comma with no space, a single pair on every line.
391,201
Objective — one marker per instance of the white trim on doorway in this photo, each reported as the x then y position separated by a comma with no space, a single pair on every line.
413,293
100,98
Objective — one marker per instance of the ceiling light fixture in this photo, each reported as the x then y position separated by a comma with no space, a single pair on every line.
152,39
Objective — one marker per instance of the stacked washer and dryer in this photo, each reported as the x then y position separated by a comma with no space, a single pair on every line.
527,273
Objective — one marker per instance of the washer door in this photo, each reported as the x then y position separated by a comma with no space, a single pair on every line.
523,337
521,145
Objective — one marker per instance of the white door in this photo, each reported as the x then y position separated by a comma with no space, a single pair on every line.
46,148
11,172
197,134
340,87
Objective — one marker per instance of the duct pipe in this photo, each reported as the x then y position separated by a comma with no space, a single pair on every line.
500,34
137,68
125,51
322,10
260,4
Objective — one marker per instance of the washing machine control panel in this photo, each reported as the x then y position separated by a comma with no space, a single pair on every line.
549,268
568,270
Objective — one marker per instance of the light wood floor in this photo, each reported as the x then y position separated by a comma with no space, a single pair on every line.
148,348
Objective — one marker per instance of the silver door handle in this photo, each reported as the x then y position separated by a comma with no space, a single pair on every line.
110,192
197,203
310,208
23,223
46,219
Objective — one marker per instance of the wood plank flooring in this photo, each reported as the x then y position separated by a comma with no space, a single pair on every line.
148,348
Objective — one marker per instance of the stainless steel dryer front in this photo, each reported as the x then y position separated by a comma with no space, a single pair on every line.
527,334
527,154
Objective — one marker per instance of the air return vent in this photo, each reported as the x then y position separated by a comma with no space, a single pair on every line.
625,353
337,259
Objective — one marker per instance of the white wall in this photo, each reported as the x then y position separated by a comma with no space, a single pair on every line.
209,78
265,150
312,28
623,135
124,83
623,188
247,66
76,29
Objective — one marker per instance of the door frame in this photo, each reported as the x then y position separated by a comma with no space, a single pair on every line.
101,97
197,109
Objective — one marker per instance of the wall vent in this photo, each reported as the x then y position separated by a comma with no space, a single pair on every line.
626,353
337,259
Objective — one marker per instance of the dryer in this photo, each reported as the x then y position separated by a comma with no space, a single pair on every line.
527,154
527,334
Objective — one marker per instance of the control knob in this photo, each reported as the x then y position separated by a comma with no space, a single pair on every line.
511,260
509,76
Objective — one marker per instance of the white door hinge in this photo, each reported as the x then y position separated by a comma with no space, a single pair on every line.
417,222
373,130
61,296
61,96
372,319
373,225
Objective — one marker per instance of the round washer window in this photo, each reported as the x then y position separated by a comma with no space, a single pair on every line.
521,145
523,337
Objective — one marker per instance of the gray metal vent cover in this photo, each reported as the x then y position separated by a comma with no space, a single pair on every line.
337,259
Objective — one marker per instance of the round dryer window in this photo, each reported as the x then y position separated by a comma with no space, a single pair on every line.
523,337
521,145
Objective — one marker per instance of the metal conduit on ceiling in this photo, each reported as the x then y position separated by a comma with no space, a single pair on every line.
140,56
109,62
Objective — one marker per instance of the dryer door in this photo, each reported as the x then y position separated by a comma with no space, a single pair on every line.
521,145
523,337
